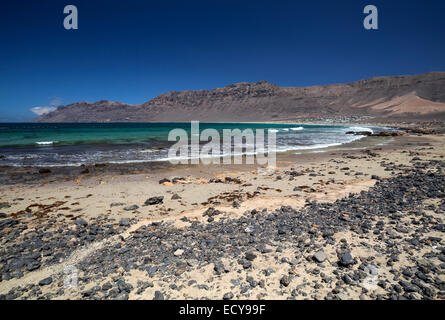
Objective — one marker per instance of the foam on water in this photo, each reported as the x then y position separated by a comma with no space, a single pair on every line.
44,143
77,144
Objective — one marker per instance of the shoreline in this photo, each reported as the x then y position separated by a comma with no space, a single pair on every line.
162,162
147,149
28,174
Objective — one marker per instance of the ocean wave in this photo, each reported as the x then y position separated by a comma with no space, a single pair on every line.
49,165
312,139
360,129
147,151
321,145
286,129
131,161
317,146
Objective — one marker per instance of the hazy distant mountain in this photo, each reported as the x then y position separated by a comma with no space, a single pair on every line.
417,96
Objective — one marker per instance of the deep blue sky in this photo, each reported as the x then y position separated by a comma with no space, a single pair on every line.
130,51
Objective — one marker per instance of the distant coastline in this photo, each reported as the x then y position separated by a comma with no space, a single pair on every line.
397,98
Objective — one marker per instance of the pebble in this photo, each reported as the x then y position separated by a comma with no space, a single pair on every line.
154,200
131,208
320,256
285,280
228,296
46,281
346,259
125,222
158,296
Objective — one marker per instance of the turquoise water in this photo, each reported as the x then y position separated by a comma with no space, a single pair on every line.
76,144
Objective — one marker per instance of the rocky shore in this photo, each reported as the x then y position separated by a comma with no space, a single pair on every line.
374,230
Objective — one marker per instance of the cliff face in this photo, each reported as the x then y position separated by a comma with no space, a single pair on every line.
398,96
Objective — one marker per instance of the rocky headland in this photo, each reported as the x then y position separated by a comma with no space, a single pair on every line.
399,98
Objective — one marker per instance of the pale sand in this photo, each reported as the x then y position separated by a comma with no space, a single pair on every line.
90,197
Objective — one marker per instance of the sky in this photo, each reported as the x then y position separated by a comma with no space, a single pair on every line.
130,51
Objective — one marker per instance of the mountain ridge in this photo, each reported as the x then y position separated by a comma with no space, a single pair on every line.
387,96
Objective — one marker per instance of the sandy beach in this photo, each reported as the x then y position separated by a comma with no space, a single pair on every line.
310,229
229,159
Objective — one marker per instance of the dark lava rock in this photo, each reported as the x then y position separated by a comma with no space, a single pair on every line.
46,281
154,200
131,208
178,179
234,180
106,286
175,197
283,229
219,268
285,280
320,256
158,296
87,293
81,222
33,265
210,212
100,165
116,204
345,259
124,222
44,171
408,287
228,296
250,256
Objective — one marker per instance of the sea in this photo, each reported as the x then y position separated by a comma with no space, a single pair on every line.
75,144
